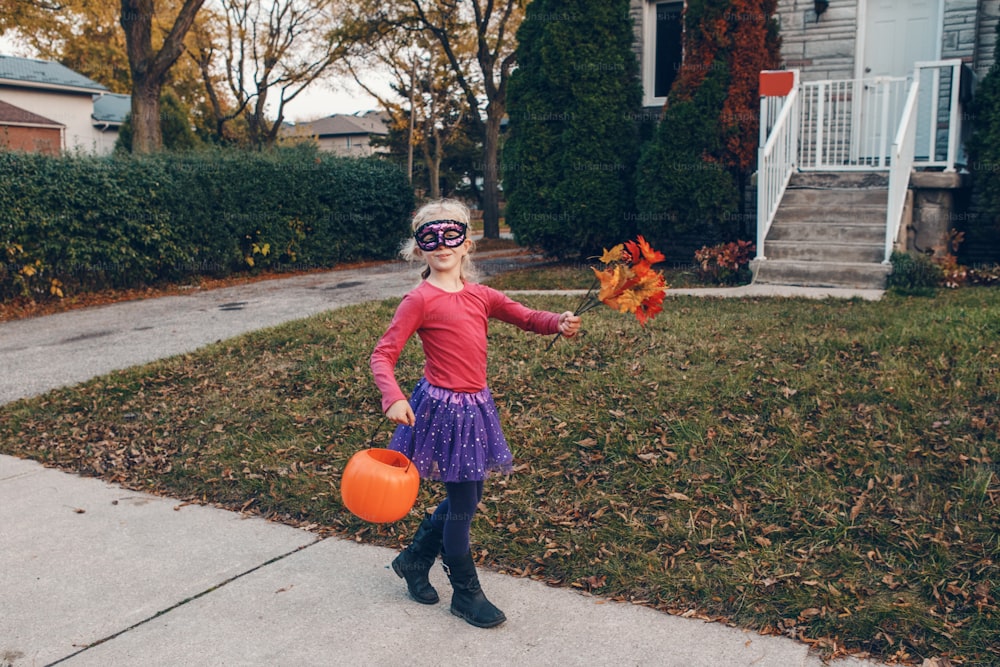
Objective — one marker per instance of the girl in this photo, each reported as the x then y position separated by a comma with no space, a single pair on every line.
449,428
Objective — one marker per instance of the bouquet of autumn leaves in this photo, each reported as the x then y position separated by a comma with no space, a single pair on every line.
627,282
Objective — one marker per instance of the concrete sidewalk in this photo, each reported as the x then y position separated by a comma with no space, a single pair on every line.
92,574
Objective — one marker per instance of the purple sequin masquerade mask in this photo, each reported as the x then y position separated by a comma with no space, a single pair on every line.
450,233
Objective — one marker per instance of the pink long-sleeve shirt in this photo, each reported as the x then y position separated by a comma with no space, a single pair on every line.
452,328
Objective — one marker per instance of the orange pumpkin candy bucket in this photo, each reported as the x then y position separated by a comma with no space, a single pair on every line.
379,485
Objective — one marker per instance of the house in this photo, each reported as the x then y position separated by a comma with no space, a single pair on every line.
861,145
62,97
21,130
345,134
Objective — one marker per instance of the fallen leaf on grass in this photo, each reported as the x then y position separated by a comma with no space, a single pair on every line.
936,662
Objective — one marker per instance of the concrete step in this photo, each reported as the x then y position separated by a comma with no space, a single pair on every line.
831,197
840,179
823,232
825,252
831,214
829,231
820,274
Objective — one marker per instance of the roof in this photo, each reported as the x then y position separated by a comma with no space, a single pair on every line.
344,124
112,108
45,74
12,115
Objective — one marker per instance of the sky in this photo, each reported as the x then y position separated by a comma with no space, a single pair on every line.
323,99
320,99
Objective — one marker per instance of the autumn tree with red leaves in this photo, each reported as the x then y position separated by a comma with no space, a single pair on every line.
694,173
753,46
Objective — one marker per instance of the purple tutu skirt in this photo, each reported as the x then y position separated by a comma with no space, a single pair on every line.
457,436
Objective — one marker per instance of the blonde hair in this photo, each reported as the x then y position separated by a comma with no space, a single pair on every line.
441,209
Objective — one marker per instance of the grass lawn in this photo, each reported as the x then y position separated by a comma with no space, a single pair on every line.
826,470
567,276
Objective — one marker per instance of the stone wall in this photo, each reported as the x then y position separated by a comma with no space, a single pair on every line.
984,50
635,12
959,36
821,49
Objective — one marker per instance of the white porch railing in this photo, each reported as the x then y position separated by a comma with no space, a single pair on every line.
776,159
901,159
849,124
939,124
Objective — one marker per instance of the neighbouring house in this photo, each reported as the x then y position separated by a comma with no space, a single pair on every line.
110,111
21,130
87,112
345,134
861,149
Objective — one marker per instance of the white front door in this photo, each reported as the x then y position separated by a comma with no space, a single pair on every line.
897,34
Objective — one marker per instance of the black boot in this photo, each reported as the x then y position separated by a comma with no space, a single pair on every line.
468,600
415,561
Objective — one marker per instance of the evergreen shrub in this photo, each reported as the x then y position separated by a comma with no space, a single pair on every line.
78,223
686,198
913,274
572,142
982,230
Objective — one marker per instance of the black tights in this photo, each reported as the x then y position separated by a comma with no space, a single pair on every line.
454,515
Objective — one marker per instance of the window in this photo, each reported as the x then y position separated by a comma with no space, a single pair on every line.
662,50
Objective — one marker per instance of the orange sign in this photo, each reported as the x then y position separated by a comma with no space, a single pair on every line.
776,83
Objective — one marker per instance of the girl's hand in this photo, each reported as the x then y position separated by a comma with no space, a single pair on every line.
569,324
400,412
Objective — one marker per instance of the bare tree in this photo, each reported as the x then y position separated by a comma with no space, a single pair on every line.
440,113
490,27
494,25
429,106
270,52
203,48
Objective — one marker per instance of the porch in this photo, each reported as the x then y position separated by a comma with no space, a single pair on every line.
823,137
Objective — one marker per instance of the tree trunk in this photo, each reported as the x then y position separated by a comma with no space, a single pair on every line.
434,175
491,176
147,135
433,186
434,165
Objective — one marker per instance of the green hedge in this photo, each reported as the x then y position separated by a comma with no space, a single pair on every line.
85,223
